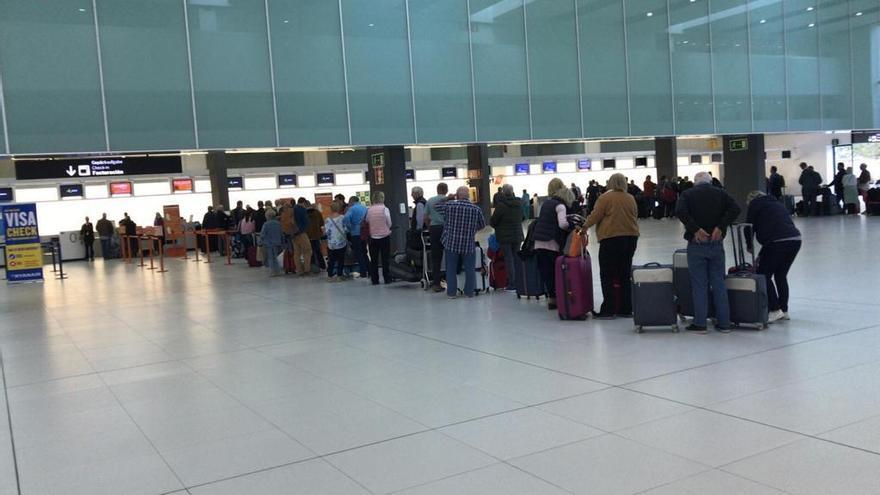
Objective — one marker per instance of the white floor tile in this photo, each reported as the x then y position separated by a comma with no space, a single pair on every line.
614,409
864,434
304,478
409,461
498,479
714,482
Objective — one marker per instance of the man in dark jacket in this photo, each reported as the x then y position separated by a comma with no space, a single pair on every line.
105,232
810,181
706,212
837,183
775,183
507,222
259,217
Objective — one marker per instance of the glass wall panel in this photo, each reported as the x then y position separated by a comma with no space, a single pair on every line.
649,65
379,84
802,65
50,76
865,25
691,66
311,103
499,50
603,68
442,70
835,72
146,76
768,74
730,65
230,62
2,127
553,69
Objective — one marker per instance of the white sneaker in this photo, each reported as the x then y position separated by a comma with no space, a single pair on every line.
785,316
775,316
355,274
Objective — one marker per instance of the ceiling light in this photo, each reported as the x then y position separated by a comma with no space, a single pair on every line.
812,24
81,10
858,14
809,9
650,14
763,21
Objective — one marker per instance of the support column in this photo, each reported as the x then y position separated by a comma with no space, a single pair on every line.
478,176
387,171
217,171
743,168
666,157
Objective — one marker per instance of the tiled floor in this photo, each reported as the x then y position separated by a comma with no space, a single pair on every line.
213,379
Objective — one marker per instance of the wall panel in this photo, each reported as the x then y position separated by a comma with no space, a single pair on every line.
650,85
603,67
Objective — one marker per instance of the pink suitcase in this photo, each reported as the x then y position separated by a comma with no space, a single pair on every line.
574,287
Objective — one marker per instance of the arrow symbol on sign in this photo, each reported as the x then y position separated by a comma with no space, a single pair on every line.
71,171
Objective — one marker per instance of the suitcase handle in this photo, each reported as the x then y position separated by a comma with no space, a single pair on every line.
651,264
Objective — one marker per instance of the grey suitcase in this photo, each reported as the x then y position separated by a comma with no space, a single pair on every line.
653,297
684,295
482,273
746,290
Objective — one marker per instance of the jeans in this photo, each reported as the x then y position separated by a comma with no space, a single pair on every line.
337,262
302,254
774,262
615,264
546,260
272,253
105,248
509,251
380,251
436,234
317,256
360,253
90,250
706,266
809,202
470,273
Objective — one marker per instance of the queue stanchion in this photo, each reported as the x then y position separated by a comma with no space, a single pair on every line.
228,248
56,245
152,241
196,238
185,254
140,251
207,247
123,249
162,259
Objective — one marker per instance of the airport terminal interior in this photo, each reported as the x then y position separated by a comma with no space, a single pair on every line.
156,338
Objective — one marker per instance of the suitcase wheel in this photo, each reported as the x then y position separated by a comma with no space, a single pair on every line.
639,329
675,328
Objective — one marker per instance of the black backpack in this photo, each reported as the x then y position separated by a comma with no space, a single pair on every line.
527,250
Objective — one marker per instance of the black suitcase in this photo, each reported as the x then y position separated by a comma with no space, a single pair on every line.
403,269
746,290
653,297
527,277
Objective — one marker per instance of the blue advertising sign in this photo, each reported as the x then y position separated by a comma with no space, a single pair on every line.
24,257
549,167
521,169
585,164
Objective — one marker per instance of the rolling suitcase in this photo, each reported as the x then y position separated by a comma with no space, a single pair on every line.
404,269
498,278
574,286
653,297
480,268
527,278
251,253
746,290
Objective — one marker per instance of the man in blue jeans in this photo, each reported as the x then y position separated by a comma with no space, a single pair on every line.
463,220
706,213
353,219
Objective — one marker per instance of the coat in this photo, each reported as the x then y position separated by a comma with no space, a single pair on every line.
507,220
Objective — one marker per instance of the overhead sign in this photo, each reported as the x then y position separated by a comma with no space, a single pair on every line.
585,164
120,189
182,185
521,169
548,167
286,180
409,174
71,191
24,257
67,168
326,179
859,137
739,144
234,182
449,172
6,195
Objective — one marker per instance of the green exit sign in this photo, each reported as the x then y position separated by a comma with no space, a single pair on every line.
740,144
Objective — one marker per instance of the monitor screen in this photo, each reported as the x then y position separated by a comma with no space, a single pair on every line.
718,157
786,154
287,180
120,189
521,169
6,195
861,137
449,172
696,158
610,163
234,182
641,161
410,174
548,167
71,191
585,164
326,179
182,185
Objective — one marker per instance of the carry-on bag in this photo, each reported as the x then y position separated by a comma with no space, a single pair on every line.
481,272
498,278
527,278
653,297
251,253
746,290
574,280
404,269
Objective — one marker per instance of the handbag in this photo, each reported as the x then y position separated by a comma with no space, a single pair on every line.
365,230
576,244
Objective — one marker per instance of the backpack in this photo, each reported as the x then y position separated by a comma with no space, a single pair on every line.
527,249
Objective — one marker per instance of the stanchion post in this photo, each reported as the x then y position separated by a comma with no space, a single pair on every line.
207,247
152,244
228,248
185,255
140,251
162,259
196,237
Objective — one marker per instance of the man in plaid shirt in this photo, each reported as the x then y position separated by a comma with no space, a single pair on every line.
463,220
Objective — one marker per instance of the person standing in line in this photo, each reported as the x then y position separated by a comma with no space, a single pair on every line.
617,228
526,205
706,213
775,183
337,242
130,230
272,240
496,198
507,222
550,232
418,220
302,245
435,233
780,243
650,195
222,224
864,184
87,236
809,188
379,221
105,232
837,183
354,217
463,220
850,185
247,226
259,216
316,223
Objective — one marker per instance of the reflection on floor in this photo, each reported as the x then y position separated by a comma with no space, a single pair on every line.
213,379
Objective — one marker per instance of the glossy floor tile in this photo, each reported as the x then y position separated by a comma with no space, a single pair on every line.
215,379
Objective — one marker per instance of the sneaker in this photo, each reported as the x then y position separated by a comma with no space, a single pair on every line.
697,329
775,316
439,289
785,316
603,316
723,328
356,275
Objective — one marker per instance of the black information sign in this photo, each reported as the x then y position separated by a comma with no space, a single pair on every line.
105,166
234,182
71,191
286,180
449,172
5,194
409,174
859,137
326,179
